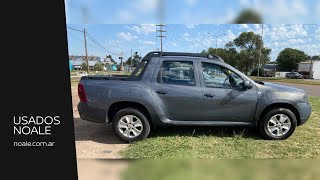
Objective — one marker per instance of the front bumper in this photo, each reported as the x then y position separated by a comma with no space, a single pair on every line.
92,114
304,111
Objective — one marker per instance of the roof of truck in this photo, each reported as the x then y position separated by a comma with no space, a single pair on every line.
181,54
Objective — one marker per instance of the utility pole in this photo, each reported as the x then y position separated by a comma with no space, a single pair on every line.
311,66
131,60
216,35
216,44
121,57
260,52
85,47
161,35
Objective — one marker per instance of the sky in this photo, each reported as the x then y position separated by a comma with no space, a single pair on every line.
116,38
189,11
122,25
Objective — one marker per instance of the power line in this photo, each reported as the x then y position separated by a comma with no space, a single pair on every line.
174,29
169,31
75,29
216,35
92,39
75,37
98,44
89,43
204,45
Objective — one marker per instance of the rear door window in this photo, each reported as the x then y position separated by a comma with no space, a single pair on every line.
177,72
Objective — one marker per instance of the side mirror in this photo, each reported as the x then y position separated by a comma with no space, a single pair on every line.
247,84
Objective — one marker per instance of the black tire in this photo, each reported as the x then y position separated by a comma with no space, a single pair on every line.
263,124
137,113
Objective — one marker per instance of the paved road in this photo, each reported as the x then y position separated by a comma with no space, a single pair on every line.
312,90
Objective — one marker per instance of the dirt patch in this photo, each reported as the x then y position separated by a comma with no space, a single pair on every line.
89,169
94,140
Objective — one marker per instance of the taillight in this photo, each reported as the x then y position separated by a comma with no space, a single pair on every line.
82,93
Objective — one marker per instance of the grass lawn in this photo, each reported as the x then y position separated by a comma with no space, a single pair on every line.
276,79
223,169
228,143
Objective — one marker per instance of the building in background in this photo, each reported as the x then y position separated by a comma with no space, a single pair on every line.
76,64
269,70
92,64
106,61
310,69
70,65
82,58
281,74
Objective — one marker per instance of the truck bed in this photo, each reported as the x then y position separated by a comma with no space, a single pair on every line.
107,77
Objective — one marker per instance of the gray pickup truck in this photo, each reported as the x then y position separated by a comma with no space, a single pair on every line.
170,88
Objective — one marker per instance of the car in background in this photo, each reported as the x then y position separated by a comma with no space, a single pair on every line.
294,75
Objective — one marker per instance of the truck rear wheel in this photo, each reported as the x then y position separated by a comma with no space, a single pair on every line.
131,124
277,124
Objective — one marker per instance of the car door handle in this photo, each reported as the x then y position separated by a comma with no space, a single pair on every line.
161,92
209,95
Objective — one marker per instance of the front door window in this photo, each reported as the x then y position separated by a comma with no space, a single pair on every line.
216,76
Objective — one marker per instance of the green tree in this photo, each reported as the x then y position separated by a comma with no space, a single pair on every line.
243,52
255,72
249,45
84,66
110,57
288,59
229,55
248,16
98,66
314,57
204,52
135,60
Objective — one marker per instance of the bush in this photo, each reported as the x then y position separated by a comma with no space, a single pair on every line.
255,72
98,66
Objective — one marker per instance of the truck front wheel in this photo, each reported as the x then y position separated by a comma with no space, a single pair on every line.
131,124
277,124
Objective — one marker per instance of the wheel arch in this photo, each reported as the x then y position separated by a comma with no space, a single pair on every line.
117,106
280,105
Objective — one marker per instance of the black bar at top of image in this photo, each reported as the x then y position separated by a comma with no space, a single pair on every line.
36,82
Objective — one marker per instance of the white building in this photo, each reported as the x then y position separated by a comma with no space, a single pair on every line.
310,66
106,60
77,64
280,74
